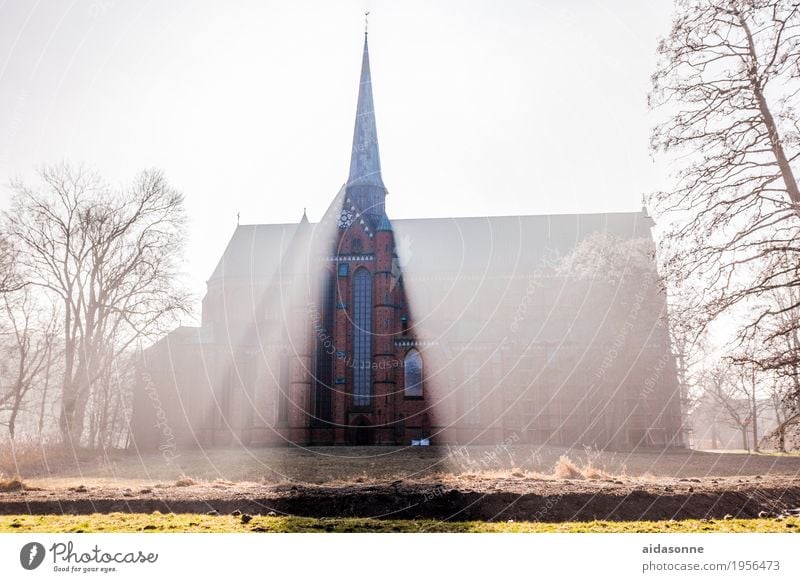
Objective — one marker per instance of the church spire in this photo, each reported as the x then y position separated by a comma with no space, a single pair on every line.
365,184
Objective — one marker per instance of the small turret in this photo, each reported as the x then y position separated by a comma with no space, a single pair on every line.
384,225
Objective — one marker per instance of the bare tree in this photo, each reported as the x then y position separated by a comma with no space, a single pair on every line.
786,415
609,259
779,342
725,393
9,281
778,337
108,408
26,338
727,78
611,268
52,355
748,380
109,259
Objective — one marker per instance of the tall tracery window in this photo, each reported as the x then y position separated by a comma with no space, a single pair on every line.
323,375
362,338
412,372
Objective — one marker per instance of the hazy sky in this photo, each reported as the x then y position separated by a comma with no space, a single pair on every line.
483,107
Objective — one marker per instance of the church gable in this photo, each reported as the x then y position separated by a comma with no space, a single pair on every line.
355,235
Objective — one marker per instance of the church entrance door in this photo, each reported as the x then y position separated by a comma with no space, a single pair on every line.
363,433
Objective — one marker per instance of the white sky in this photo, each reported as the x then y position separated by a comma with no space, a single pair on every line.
483,108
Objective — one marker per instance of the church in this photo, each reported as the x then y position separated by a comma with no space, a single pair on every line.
364,330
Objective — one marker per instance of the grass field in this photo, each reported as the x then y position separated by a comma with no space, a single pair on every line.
195,523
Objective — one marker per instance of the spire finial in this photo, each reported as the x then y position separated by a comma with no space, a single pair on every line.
366,22
364,184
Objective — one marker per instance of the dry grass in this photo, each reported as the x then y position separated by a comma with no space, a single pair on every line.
590,472
566,469
44,465
13,484
31,457
184,481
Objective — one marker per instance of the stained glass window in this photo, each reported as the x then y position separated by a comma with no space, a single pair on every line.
362,338
412,371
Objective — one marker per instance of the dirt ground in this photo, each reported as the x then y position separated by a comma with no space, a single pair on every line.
321,465
463,498
476,483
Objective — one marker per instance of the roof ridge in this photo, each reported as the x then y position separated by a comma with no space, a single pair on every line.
489,216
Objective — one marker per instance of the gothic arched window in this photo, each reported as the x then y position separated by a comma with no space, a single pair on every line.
362,338
323,329
412,372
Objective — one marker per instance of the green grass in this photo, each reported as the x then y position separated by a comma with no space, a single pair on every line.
167,523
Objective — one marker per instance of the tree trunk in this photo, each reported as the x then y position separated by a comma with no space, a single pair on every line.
755,416
46,383
79,414
769,121
67,416
19,394
67,388
745,445
777,148
12,422
74,400
110,441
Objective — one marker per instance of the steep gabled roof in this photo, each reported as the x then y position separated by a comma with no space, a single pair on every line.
492,244
502,244
254,251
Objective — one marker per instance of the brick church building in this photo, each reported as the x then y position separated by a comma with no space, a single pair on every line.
364,330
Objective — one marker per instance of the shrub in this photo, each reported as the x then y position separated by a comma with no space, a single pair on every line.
184,481
13,484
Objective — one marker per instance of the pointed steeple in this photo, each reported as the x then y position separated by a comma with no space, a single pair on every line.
365,184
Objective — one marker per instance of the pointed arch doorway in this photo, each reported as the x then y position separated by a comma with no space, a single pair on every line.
362,433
